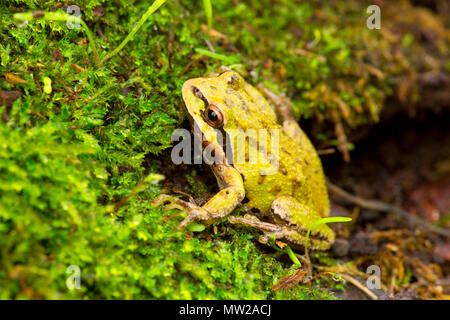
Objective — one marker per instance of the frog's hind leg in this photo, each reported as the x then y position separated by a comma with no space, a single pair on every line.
268,229
290,220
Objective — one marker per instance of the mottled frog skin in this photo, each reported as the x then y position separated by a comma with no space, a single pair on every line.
282,203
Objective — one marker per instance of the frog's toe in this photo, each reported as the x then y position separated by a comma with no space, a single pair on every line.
171,202
269,230
183,224
265,237
278,234
195,214
252,221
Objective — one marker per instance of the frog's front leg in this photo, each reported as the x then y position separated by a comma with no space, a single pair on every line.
231,194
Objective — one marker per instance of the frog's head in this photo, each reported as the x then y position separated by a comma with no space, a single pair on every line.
212,103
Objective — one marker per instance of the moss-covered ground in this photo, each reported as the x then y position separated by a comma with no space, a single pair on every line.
84,133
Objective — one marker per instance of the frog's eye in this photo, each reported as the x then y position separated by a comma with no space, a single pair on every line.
213,116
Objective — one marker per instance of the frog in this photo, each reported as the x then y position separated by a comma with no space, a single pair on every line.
280,203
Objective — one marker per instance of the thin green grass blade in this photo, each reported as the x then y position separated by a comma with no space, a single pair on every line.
225,59
208,12
324,221
155,6
319,222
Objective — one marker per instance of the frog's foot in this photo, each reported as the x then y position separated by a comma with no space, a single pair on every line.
268,229
171,202
196,213
292,234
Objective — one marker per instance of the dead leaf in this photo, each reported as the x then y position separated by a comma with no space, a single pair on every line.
281,244
11,78
213,33
289,281
77,67
8,97
56,55
98,11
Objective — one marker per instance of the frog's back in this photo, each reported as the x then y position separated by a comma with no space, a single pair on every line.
299,173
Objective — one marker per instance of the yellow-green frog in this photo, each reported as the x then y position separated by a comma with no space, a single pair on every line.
282,202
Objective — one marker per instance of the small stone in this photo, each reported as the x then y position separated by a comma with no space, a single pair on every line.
340,247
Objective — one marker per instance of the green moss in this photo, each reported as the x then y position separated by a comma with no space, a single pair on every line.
70,155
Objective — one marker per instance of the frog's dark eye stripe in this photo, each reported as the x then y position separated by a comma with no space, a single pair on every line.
200,95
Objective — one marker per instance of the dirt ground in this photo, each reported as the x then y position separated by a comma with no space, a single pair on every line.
403,161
